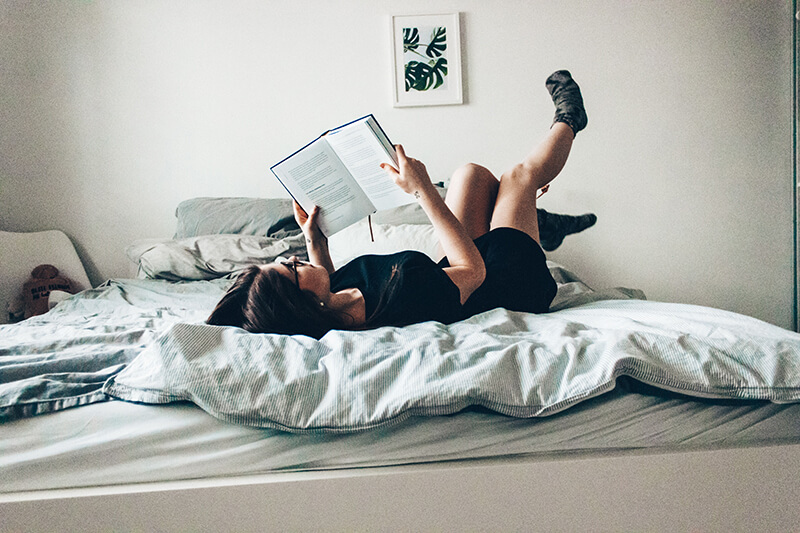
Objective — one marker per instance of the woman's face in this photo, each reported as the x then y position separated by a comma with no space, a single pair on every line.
307,276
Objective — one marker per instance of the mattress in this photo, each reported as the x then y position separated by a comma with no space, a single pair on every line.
117,442
54,363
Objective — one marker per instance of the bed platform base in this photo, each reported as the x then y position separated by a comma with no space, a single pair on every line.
756,488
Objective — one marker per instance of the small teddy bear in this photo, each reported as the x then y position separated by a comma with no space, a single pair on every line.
36,291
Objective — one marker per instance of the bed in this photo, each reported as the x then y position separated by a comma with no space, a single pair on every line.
116,413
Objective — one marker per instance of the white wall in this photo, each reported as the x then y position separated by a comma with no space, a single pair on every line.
112,112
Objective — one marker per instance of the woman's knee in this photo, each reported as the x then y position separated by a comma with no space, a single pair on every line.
522,175
473,175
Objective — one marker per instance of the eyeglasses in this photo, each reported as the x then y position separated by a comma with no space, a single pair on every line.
292,266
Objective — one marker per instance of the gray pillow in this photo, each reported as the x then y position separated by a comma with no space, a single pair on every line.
272,217
241,216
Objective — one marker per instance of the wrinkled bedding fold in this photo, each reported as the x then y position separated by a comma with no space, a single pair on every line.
517,364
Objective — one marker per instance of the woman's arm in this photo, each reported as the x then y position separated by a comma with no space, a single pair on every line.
466,269
316,242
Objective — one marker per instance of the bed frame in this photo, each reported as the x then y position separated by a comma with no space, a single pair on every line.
733,489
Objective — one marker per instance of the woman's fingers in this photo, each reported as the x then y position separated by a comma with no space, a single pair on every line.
299,214
403,160
411,176
390,169
306,221
312,217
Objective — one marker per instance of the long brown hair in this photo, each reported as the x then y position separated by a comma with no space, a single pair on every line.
264,301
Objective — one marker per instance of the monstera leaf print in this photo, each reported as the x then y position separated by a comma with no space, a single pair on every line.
438,43
424,76
410,39
431,72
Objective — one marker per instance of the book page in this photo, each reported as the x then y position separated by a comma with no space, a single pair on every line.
360,149
316,176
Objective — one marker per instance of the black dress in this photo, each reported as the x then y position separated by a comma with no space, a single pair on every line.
417,290
420,289
517,277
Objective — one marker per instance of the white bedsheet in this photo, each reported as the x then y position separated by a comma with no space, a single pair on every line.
114,443
117,442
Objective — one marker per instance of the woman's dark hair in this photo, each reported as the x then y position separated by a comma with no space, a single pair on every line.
264,301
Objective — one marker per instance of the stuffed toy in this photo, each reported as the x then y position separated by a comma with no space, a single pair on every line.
36,291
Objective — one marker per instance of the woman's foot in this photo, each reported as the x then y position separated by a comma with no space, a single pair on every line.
553,227
567,99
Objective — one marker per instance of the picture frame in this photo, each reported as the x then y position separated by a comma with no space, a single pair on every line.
427,60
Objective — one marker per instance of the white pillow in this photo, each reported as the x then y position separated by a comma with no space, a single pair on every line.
355,240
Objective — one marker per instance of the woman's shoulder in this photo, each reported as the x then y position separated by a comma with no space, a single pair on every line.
412,257
402,258
372,267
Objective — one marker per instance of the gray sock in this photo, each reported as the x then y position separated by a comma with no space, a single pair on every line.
568,100
553,227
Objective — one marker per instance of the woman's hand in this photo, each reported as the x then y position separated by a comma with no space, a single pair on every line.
412,176
308,223
316,242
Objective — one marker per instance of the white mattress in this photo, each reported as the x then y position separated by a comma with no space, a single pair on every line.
118,442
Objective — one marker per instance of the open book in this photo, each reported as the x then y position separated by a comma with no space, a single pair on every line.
340,172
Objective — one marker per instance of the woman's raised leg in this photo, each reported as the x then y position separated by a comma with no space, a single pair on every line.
515,205
471,196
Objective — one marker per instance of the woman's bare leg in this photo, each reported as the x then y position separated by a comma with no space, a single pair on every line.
471,196
516,197
515,206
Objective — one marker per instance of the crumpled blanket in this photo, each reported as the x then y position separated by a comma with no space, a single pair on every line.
517,364
62,359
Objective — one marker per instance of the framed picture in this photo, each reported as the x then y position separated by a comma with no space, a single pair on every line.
427,60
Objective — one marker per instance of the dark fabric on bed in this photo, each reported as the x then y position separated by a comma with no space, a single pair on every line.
423,291
517,277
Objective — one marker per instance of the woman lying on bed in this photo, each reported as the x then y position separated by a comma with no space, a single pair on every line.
487,229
